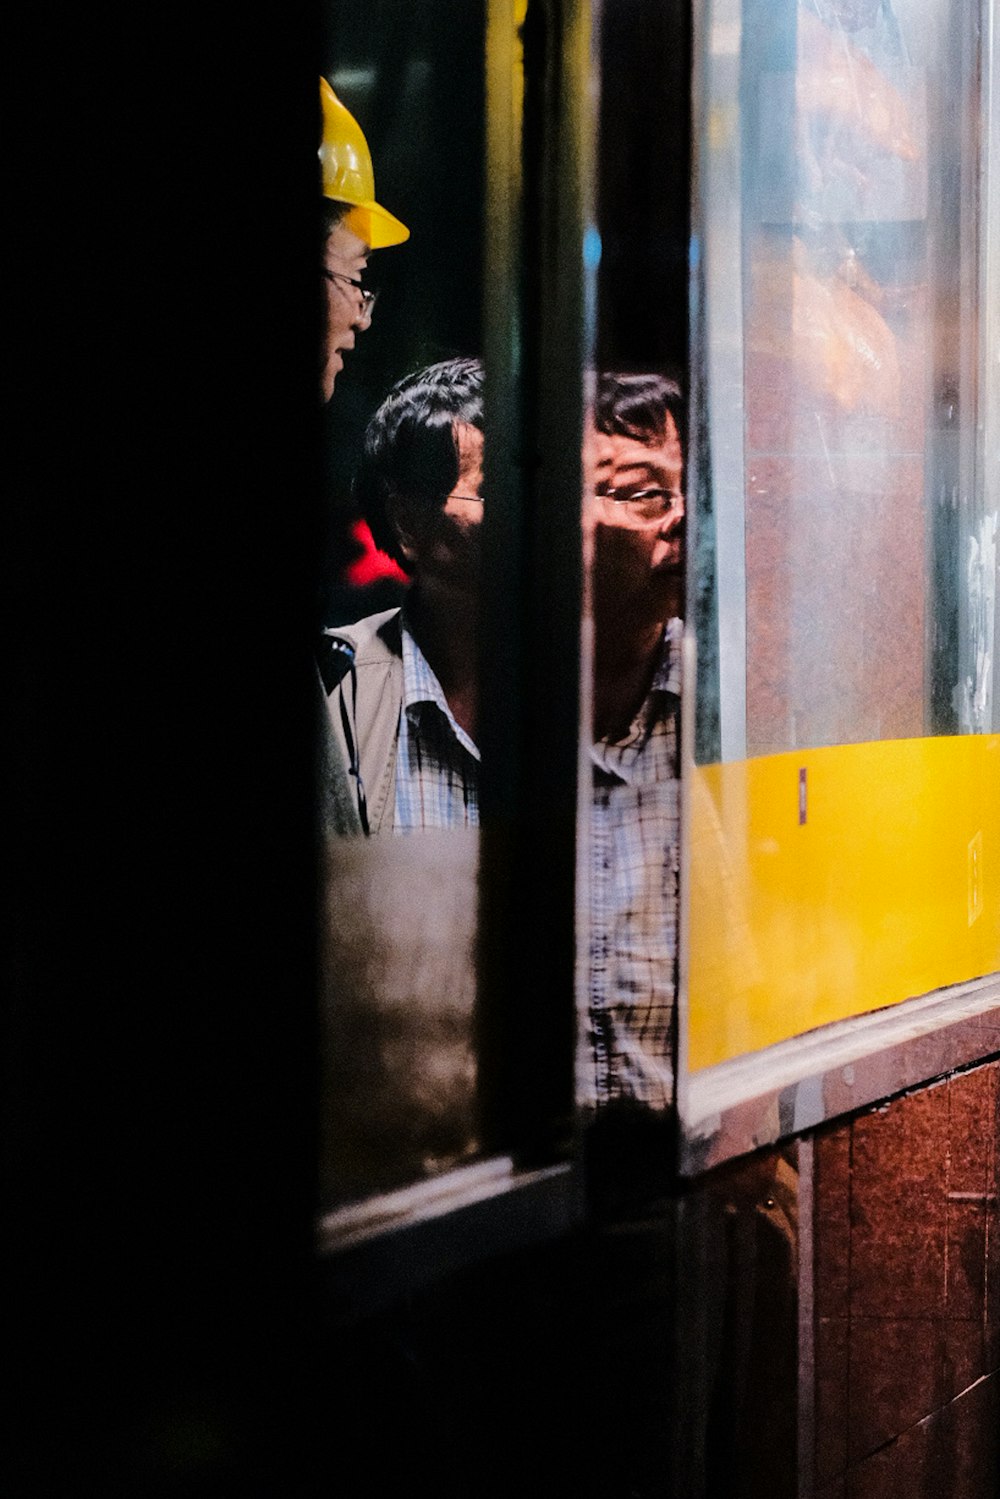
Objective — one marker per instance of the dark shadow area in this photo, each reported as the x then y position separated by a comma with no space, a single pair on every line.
413,75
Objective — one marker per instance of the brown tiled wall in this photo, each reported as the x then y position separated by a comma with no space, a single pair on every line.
906,1280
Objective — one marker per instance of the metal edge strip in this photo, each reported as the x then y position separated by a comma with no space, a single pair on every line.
756,1100
357,1222
448,1225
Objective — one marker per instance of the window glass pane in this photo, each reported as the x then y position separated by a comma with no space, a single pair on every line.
847,492
398,604
843,794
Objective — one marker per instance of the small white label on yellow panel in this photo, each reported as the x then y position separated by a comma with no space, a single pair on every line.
975,877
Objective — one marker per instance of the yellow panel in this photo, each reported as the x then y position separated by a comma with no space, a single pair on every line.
888,889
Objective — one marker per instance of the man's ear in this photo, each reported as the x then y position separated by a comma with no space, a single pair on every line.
401,517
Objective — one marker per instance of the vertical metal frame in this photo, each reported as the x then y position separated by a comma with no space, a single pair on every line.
539,166
716,476
989,344
976,589
717,347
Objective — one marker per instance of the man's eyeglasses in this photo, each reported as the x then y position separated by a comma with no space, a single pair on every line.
642,504
368,298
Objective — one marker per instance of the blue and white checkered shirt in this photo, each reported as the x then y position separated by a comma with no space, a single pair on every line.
633,866
437,764
626,1049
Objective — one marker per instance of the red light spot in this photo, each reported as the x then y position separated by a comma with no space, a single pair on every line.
372,564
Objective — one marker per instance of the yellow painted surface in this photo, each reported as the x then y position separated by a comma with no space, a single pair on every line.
888,890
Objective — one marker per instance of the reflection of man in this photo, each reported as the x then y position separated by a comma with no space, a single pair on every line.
635,526
402,685
352,224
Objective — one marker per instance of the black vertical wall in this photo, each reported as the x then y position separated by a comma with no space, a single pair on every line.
158,1048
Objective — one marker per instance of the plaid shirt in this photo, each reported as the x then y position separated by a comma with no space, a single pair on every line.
626,1045
437,764
633,866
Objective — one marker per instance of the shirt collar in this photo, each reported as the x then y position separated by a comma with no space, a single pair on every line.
421,686
666,683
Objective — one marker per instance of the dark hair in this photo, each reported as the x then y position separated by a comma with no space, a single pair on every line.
638,406
331,211
410,451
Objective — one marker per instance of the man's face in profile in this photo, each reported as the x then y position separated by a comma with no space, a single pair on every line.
635,518
344,261
445,543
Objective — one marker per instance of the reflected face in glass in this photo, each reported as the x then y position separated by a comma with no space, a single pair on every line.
635,521
446,547
344,260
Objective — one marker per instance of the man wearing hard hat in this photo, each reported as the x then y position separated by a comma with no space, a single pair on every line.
352,225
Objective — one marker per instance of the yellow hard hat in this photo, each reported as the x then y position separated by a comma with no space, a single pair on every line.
348,175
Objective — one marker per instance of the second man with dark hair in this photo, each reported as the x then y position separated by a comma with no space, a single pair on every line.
402,685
